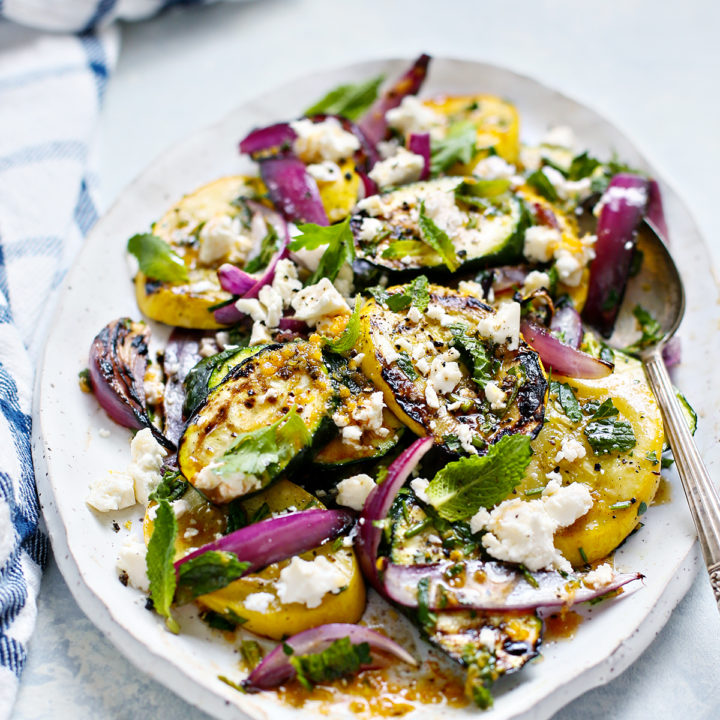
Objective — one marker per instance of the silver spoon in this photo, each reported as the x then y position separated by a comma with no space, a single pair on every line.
659,289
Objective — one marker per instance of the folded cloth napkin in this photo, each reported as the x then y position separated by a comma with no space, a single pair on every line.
51,90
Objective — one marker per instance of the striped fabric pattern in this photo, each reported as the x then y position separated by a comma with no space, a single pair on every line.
55,61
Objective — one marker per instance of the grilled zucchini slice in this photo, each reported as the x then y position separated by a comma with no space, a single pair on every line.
387,231
187,304
276,383
222,370
399,352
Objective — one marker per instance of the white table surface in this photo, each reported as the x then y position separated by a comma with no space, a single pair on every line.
650,66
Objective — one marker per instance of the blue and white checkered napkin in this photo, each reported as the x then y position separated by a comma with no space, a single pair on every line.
51,89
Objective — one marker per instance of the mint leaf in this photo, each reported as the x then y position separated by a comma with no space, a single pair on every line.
172,487
425,616
157,259
159,561
649,327
457,146
476,353
404,248
350,101
405,364
610,435
478,193
340,248
206,573
251,653
268,247
339,659
582,166
349,338
461,488
437,239
568,401
539,181
606,410
416,294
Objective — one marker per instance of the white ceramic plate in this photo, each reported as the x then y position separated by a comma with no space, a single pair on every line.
69,451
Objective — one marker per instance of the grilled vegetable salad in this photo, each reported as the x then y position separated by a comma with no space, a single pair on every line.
380,376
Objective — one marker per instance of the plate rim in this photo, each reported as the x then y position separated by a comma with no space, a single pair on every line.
163,670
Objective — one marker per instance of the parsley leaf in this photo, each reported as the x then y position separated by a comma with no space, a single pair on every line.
156,258
476,353
339,659
268,247
350,101
568,401
206,573
340,247
159,560
459,145
610,435
262,453
461,488
437,239
349,338
172,487
540,182
415,294
649,327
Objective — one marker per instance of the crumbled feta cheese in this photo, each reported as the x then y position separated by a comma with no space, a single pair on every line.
440,207
353,491
104,433
571,450
488,638
317,301
325,171
222,237
560,136
423,366
260,334
208,348
402,168
568,267
222,338
414,315
465,435
535,280
614,197
445,373
352,433
131,561
253,308
431,397
115,491
320,141
553,476
522,531
387,350
494,167
502,326
146,459
540,243
479,520
307,582
344,281
356,361
577,190
309,259
387,148
372,205
272,302
369,410
437,312
228,485
412,116
600,576
180,507
153,384
495,395
419,487
258,602
370,228
285,281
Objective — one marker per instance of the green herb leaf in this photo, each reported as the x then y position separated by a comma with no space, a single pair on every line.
425,617
172,487
268,247
568,402
437,239
610,435
350,101
404,248
649,327
206,573
476,353
156,258
605,410
416,294
340,248
251,653
461,488
459,145
582,166
226,620
339,659
540,182
159,560
477,193
405,364
349,338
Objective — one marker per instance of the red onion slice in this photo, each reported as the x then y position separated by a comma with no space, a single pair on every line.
369,186
117,363
419,143
373,123
275,669
655,212
623,207
566,324
228,314
560,358
378,505
491,586
278,137
269,541
292,190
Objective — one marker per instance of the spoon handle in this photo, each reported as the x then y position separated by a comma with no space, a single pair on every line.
701,494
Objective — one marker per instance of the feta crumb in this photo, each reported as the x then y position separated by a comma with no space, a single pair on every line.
223,237
495,395
208,347
571,450
560,136
419,487
494,167
222,338
307,582
226,486
326,172
260,334
353,491
568,267
540,243
131,561
414,315
146,459
441,208
387,350
402,168
423,366
522,531
285,280
431,397
369,410
600,576
413,116
320,141
104,433
465,435
370,228
577,190
553,476
615,196
356,361
352,433
344,281
535,280
372,205
153,384
115,491
445,373
317,301
258,602
503,325
479,520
